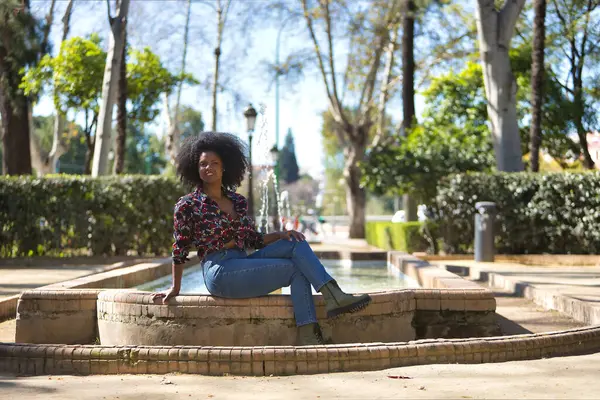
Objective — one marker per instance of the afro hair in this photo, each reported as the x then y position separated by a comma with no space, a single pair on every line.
228,147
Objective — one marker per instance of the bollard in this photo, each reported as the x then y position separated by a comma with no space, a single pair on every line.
484,231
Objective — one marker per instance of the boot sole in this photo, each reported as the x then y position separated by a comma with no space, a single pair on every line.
350,308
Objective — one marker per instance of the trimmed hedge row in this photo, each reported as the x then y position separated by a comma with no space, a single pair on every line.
409,237
555,213
67,214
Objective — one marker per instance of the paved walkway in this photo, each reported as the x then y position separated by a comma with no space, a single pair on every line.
17,277
554,284
554,378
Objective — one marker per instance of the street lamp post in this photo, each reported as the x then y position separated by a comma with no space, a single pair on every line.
250,115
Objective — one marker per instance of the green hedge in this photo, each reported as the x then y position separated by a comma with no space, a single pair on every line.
538,213
67,214
403,236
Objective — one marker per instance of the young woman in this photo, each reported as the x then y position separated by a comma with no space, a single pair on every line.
214,219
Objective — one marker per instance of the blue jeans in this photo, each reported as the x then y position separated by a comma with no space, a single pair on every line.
234,274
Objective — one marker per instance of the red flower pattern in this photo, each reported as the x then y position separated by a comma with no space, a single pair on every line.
199,222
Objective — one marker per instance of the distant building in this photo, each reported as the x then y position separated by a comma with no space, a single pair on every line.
593,141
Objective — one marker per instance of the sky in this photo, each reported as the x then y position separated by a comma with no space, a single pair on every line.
160,23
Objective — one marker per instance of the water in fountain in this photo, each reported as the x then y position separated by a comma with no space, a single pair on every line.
285,211
268,173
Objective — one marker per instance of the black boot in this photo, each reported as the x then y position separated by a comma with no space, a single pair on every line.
337,302
309,335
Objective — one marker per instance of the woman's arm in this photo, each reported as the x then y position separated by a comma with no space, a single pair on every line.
272,237
183,231
286,235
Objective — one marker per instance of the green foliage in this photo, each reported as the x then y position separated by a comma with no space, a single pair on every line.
405,236
417,163
20,48
60,215
538,213
74,76
288,165
453,137
457,99
147,79
190,121
145,152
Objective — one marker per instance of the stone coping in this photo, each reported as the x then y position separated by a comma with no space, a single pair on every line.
259,307
117,276
580,310
526,259
122,275
429,276
27,359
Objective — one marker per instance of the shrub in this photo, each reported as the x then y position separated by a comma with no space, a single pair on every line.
409,237
67,214
537,213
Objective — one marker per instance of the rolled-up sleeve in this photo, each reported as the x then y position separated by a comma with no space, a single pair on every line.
183,232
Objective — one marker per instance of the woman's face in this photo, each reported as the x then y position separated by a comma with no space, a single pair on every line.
210,167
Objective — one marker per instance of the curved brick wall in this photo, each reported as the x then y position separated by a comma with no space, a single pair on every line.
131,318
69,359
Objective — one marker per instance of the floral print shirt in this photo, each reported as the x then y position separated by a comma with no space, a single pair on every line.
199,222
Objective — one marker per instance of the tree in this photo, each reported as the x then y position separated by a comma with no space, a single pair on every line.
173,134
222,13
537,82
147,80
452,137
577,35
20,46
368,31
408,90
74,76
333,163
120,142
495,29
288,165
145,152
190,122
109,86
45,161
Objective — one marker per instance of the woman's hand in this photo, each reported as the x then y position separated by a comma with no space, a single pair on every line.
289,235
165,296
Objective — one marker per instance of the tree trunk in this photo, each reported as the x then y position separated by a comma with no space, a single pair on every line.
588,162
14,105
89,155
109,89
119,164
537,83
495,30
215,88
384,94
172,140
217,62
356,198
408,91
16,159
